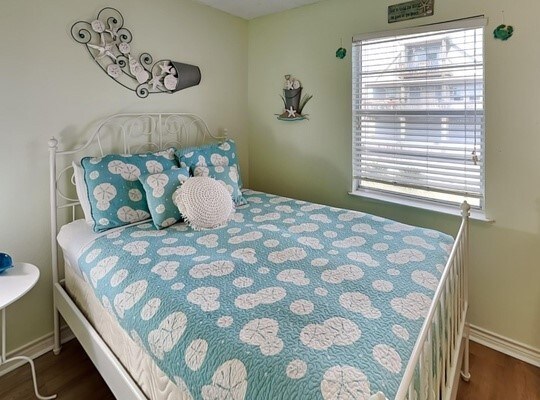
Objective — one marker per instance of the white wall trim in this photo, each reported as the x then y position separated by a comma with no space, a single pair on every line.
505,345
34,349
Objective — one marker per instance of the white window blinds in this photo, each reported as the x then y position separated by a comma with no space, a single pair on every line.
418,112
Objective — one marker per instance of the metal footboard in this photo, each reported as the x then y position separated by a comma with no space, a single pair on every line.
443,343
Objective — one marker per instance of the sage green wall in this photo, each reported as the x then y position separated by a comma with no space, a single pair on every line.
312,159
51,86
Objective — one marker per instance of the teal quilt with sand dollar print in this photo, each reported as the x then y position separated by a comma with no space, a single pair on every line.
291,300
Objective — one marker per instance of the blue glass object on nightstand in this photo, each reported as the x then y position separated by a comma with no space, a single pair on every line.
5,262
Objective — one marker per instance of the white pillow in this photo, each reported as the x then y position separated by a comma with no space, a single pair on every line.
204,203
82,192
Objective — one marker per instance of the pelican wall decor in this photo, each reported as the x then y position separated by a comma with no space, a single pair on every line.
108,42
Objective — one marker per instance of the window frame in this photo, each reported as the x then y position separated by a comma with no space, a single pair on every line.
450,207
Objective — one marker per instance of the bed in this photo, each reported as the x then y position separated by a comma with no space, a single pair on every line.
291,300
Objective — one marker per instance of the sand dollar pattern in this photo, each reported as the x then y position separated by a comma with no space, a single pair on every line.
345,383
302,307
425,279
113,182
401,332
226,175
205,297
103,267
388,357
159,186
223,154
263,333
229,382
168,333
296,369
129,297
150,308
196,353
413,306
279,295
268,295
335,331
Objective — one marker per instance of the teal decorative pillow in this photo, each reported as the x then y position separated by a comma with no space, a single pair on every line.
159,189
217,154
227,176
116,196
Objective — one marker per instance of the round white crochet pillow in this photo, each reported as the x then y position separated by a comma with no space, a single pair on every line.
204,202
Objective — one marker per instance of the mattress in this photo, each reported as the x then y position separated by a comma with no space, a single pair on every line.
144,371
290,300
75,236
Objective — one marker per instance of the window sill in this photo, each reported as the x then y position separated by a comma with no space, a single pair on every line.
422,204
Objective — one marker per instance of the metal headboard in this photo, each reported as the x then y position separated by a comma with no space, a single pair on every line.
119,133
125,134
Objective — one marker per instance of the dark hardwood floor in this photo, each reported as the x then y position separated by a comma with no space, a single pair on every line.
70,374
494,376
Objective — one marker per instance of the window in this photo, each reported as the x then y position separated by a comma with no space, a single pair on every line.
418,113
423,54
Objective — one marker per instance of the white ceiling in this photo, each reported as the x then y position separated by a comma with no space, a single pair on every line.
249,9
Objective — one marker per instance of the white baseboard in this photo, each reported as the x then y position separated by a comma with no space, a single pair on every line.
35,349
505,345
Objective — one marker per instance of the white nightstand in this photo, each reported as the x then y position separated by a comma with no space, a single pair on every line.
14,284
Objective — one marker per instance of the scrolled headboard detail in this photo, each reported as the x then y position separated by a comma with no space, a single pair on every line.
119,133
125,134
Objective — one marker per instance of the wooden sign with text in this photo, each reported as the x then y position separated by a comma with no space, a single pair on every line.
410,10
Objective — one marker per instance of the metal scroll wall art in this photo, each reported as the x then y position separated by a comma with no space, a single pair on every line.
293,101
108,42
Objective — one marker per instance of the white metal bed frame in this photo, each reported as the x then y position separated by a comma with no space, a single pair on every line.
439,352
